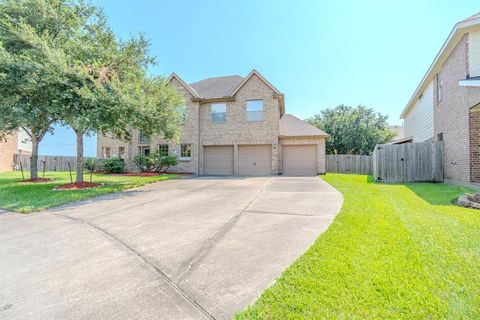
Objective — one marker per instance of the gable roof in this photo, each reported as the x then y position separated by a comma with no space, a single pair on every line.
469,24
217,87
291,126
251,74
183,83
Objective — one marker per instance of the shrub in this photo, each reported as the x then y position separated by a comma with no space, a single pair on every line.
91,164
114,165
163,163
144,163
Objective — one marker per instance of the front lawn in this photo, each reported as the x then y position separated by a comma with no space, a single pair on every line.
30,197
394,251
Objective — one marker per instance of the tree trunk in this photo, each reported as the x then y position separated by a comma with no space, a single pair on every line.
79,167
34,159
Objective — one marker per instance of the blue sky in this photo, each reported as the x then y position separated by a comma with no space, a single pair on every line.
319,53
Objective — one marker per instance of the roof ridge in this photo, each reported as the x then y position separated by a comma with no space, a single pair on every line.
210,78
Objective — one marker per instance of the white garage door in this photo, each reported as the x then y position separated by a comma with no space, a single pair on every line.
255,160
218,160
300,160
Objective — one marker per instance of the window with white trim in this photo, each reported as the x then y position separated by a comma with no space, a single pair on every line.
219,112
254,110
185,151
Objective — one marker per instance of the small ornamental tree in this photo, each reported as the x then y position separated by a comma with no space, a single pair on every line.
352,130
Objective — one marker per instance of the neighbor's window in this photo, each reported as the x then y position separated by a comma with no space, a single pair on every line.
185,151
254,110
121,152
163,150
219,112
439,89
106,152
143,138
440,136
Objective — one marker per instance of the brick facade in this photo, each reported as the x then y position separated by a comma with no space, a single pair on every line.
452,114
474,128
199,131
8,149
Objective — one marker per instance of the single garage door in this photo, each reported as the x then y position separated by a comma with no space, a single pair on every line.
255,160
218,160
300,160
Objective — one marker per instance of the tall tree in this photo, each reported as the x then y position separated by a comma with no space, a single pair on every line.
31,77
110,89
60,62
352,130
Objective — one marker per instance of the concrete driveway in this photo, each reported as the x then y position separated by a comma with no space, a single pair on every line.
182,249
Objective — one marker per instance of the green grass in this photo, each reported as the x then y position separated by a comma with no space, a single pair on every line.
31,197
393,252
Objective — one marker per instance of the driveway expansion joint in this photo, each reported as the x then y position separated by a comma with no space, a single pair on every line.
195,261
282,213
149,263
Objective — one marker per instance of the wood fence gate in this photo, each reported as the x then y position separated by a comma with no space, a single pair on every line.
408,162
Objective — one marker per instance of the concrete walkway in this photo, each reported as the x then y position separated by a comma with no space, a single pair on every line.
181,249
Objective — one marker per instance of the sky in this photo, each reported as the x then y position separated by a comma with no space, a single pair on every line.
318,53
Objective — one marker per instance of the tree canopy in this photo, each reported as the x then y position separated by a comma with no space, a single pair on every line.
61,63
352,130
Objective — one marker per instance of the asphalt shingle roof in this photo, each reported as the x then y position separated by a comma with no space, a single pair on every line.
218,87
291,126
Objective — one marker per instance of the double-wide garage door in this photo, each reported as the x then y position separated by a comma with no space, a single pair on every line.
253,160
299,160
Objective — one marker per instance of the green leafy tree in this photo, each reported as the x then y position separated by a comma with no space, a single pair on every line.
89,80
352,130
32,81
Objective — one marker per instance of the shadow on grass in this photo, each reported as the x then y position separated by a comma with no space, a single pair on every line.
439,194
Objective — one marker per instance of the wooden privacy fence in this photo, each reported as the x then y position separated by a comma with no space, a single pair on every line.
408,162
346,163
52,163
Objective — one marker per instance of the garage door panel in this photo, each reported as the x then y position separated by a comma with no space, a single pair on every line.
255,160
300,160
218,160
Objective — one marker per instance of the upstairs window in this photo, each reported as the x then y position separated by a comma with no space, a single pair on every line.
439,89
183,114
143,138
254,110
163,150
185,151
219,112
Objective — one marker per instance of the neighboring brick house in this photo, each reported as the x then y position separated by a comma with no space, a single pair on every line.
232,126
16,143
446,104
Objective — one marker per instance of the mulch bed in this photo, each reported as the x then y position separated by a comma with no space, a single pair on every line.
78,186
36,180
143,174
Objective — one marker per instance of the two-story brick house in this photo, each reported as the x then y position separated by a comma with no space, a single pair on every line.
232,126
446,104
